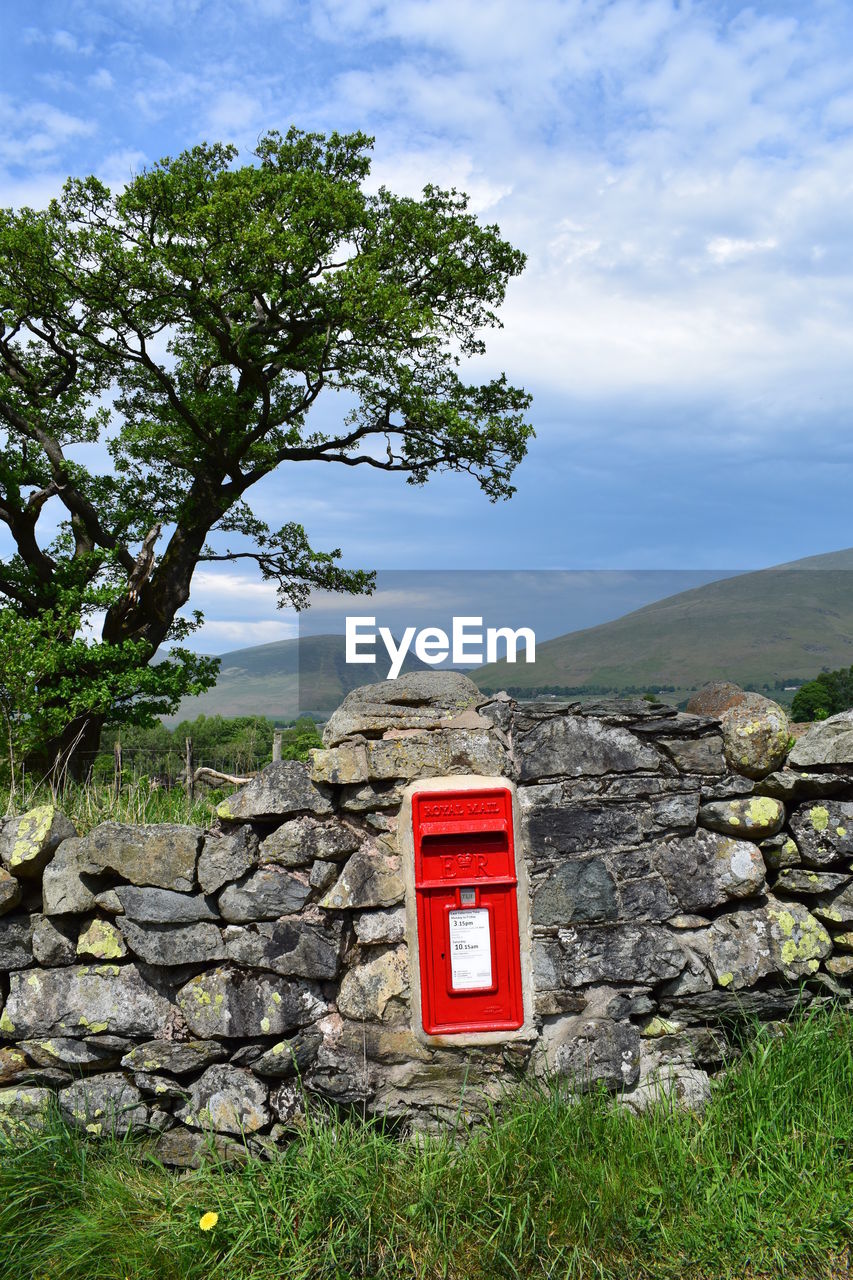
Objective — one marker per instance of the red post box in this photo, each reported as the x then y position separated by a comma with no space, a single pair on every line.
466,892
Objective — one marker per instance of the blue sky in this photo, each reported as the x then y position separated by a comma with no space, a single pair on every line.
679,175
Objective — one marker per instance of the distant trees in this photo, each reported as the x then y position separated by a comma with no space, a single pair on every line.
826,695
236,744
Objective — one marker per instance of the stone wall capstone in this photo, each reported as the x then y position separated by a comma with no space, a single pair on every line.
183,983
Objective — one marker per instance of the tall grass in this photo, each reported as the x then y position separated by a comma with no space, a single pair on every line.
138,801
761,1185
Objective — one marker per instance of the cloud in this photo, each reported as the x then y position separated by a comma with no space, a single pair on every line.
222,635
100,80
36,131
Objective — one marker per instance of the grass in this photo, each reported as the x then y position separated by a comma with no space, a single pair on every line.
762,1185
138,802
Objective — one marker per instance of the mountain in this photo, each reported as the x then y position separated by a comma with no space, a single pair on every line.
785,623
284,679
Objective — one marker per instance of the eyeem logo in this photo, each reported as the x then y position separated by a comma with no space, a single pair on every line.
432,645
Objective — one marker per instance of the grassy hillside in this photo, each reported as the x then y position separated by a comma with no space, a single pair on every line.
265,680
776,624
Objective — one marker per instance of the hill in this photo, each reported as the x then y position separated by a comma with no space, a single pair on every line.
780,624
282,680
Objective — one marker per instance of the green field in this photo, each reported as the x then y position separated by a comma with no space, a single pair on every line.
760,1186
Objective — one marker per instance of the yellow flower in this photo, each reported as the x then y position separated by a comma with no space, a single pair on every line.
208,1221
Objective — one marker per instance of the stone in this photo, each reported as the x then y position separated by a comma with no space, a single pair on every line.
176,1058
587,1050
670,1086
803,883
751,818
101,941
280,790
695,755
840,966
576,891
341,766
24,1109
367,798
234,1004
301,841
824,832
110,902
163,906
54,944
174,944
296,946
411,756
794,785
323,875
416,700
163,855
380,926
574,747
289,1057
182,1148
369,879
756,734
373,1041
657,1027
715,698
759,1002
568,828
69,880
104,1106
28,842
162,1089
647,898
16,940
12,1063
480,753
835,908
709,869
637,954
83,1001
226,858
228,1100
68,1053
265,894
829,742
780,851
757,942
377,990
288,1104
10,891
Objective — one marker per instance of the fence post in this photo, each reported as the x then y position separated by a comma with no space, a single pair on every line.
276,745
117,767
190,771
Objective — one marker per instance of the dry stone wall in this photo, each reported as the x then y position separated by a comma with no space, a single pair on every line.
188,983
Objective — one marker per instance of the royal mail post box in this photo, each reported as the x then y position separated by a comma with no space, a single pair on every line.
467,906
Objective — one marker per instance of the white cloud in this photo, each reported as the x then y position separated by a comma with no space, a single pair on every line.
222,635
35,133
100,80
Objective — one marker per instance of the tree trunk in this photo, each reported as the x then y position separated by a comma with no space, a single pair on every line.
69,756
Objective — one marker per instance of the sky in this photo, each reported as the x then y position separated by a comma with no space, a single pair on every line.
679,175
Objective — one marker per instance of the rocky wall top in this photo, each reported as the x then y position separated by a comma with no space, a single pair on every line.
678,875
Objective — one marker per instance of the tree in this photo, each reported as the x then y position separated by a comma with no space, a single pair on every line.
161,351
826,695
